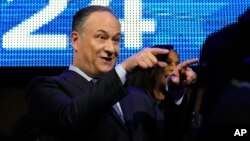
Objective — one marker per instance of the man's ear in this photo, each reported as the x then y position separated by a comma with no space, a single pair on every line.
74,39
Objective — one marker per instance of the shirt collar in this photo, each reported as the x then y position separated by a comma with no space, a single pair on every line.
80,72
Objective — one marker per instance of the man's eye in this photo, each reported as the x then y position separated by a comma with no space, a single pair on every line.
102,37
117,40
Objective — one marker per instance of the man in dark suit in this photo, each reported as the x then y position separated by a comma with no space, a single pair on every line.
83,102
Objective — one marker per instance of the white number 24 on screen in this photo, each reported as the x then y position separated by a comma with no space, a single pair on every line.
20,36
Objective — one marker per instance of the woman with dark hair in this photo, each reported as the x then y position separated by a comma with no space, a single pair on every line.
153,80
167,109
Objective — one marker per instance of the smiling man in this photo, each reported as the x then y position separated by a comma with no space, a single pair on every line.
82,103
97,43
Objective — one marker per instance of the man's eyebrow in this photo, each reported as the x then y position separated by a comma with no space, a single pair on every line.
101,30
105,32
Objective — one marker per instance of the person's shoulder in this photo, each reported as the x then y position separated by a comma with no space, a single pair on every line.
44,78
39,81
138,93
135,90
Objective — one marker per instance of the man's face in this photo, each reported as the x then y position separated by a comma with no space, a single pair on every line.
97,47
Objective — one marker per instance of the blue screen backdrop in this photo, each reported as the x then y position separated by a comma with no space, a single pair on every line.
37,33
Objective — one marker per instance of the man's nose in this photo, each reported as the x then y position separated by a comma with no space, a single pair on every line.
109,46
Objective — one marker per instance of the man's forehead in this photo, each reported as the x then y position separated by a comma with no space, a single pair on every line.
107,24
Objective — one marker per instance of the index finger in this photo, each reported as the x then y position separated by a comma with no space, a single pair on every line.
188,63
156,51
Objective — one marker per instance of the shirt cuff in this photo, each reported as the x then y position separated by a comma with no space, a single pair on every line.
121,73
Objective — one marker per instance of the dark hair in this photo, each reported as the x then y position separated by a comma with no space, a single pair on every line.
149,79
224,57
163,57
146,79
81,15
244,19
165,46
230,47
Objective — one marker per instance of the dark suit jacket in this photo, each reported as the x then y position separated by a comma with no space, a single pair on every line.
68,107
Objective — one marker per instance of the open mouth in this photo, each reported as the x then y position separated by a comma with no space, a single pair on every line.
108,59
